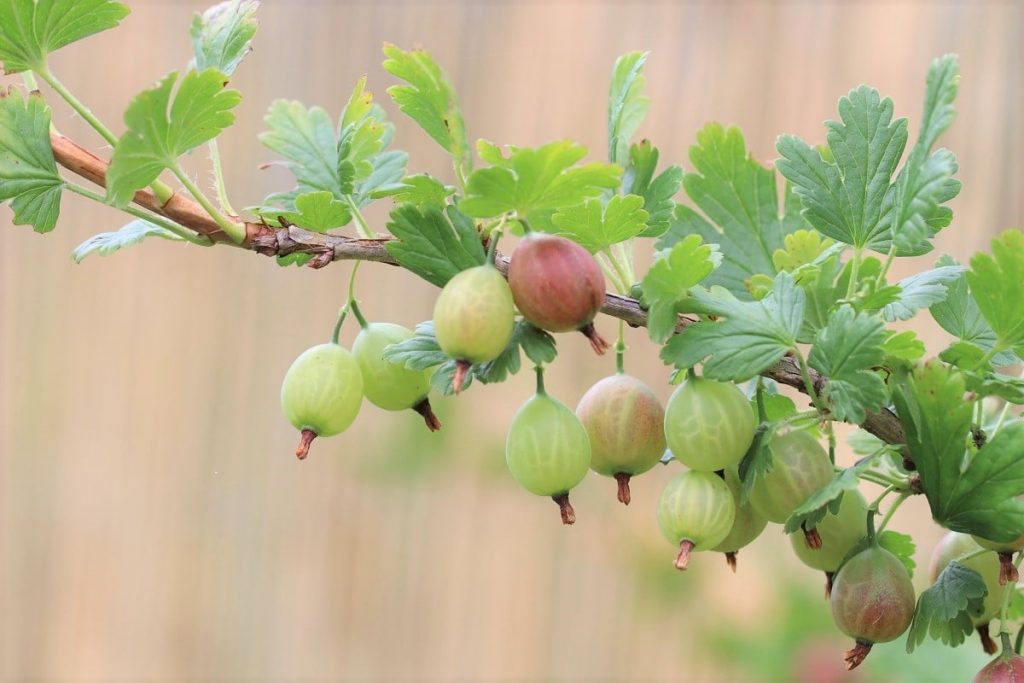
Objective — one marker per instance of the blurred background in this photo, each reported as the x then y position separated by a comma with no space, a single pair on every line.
155,524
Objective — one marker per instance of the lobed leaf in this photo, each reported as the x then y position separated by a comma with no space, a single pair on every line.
597,225
846,351
739,201
32,29
433,244
753,336
107,243
162,128
674,272
28,172
222,35
627,104
944,610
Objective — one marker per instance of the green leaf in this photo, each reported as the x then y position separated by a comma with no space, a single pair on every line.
420,190
846,350
900,545
902,348
672,275
845,200
538,345
222,35
429,100
106,243
627,104
28,173
32,29
826,499
994,280
530,180
979,497
753,336
757,461
740,200
306,138
920,291
1009,389
944,610
597,226
658,191
317,211
298,258
161,130
926,180
419,352
432,244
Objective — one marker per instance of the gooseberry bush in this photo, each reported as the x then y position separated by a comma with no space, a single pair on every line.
763,276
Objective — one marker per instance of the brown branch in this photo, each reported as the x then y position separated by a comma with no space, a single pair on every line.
327,248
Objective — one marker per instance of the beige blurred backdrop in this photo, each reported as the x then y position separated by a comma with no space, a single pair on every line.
155,524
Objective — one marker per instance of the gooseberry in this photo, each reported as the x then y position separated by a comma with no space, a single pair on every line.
322,393
474,318
547,449
625,423
709,425
389,385
557,285
696,512
872,601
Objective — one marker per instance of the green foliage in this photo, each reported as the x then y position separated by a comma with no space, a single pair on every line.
944,610
317,211
739,198
657,190
598,225
106,243
222,35
900,545
753,336
28,172
422,352
979,497
926,180
434,244
846,351
429,100
627,104
162,128
826,500
921,291
848,192
994,281
350,162
534,180
32,29
845,200
674,272
421,190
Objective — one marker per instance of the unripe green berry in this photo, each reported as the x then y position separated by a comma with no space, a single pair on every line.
547,450
322,393
747,525
800,466
838,534
389,385
695,512
474,315
709,425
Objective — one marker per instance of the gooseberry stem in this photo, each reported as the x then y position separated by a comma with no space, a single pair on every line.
492,244
352,304
620,349
892,510
539,369
762,412
1020,639
337,326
